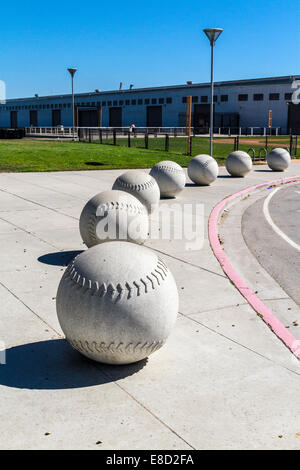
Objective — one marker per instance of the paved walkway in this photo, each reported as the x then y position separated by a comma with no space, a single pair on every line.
223,380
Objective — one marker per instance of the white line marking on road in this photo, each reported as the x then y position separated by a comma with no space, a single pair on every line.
273,225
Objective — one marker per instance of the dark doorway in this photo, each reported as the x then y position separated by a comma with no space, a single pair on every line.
33,118
154,116
294,118
87,118
201,118
115,117
56,117
13,119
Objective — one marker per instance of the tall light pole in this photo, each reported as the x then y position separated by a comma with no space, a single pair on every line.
72,73
212,34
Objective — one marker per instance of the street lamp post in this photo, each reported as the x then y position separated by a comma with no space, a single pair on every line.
212,34
72,73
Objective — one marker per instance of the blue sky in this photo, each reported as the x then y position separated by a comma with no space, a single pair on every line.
147,44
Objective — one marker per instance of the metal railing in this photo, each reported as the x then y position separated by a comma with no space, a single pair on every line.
50,131
61,131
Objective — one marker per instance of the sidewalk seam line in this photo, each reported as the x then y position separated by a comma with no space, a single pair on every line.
30,309
239,344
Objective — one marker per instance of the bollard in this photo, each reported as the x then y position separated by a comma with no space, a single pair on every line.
129,142
167,143
146,140
115,136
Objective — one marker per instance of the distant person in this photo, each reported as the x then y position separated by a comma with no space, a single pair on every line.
132,129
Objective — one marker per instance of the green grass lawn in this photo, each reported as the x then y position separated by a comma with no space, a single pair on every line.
44,155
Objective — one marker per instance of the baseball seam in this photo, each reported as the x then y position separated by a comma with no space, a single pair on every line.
115,348
116,292
166,168
137,187
129,208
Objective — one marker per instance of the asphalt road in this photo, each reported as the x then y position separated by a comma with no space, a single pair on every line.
271,229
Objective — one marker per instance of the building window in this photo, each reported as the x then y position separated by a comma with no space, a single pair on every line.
184,99
195,99
115,103
103,103
224,98
133,102
215,99
288,96
109,103
121,102
147,101
243,97
153,101
161,101
127,102
258,97
204,99
274,96
169,100
140,101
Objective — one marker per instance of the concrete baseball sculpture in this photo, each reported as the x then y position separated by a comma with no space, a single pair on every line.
141,185
203,169
170,178
117,302
278,159
113,215
238,163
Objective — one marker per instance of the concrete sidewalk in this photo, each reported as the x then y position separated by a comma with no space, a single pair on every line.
222,381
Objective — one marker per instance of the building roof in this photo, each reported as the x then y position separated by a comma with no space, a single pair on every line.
248,82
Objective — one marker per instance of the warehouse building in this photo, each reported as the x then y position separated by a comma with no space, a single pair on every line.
237,104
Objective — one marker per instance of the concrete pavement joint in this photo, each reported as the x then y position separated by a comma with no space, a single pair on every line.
29,233
216,309
30,309
50,189
143,406
187,262
37,203
237,343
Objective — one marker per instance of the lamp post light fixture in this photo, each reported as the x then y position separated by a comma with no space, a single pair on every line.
212,34
72,72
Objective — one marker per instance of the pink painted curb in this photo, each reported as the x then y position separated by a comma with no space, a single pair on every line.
278,328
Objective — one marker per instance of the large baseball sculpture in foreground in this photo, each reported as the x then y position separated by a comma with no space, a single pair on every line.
117,302
141,185
203,169
238,163
170,178
279,159
113,215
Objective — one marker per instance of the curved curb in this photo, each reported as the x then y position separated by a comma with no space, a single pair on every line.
272,321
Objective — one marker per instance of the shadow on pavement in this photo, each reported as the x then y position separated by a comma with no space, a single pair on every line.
60,258
229,176
54,364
